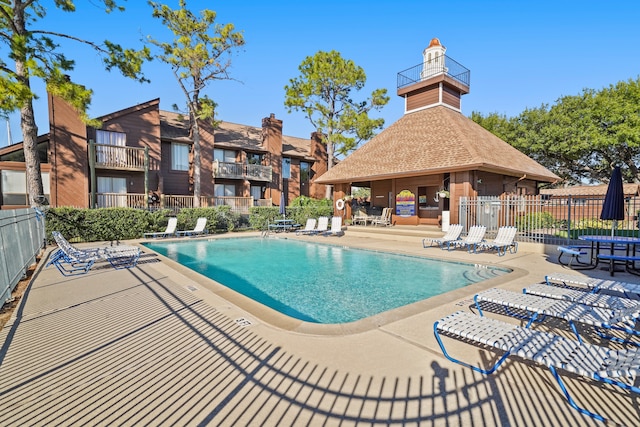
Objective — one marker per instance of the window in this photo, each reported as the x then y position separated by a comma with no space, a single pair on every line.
14,187
225,190
179,157
256,192
227,156
111,138
109,155
254,159
286,168
109,190
305,171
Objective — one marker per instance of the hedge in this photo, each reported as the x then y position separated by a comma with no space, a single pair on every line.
106,224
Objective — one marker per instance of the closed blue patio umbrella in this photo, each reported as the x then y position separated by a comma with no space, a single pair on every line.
282,205
613,207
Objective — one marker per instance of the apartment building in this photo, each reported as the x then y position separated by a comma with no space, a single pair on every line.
141,151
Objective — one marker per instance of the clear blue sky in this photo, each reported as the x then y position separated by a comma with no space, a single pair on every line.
521,53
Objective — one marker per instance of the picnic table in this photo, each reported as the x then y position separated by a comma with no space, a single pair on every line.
285,225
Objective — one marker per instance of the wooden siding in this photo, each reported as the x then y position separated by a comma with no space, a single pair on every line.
422,97
451,97
68,156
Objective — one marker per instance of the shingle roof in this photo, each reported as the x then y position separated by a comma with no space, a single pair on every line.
233,135
434,140
590,190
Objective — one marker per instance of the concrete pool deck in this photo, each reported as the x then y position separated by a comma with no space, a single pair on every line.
160,345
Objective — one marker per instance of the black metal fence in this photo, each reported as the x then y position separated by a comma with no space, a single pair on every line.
425,70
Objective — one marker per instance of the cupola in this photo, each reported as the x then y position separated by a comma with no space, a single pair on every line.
437,81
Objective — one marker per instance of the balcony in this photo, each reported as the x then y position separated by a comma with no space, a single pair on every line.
118,157
242,171
427,70
174,203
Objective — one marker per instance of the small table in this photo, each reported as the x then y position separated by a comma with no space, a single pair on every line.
629,259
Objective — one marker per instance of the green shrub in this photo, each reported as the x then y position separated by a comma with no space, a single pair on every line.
105,224
535,220
261,216
219,218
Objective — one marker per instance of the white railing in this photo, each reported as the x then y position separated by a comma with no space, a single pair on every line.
121,200
119,157
241,171
238,205
542,219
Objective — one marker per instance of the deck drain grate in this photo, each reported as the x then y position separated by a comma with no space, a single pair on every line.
244,322
192,288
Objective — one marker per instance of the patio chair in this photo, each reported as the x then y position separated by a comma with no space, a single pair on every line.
70,260
629,290
198,230
336,227
503,242
553,351
170,231
535,308
385,218
474,237
580,296
309,228
323,225
451,235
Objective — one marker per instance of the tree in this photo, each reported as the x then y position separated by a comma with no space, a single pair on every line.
200,52
36,55
580,137
323,93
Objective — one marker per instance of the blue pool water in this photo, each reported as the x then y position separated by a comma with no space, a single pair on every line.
321,283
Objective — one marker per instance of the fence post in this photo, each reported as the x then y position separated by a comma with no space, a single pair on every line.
568,219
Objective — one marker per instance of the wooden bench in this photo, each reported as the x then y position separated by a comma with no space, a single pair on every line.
575,252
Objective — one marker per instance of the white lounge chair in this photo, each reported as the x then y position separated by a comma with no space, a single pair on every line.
580,296
70,260
199,229
170,230
537,307
553,351
323,225
336,227
385,218
451,235
309,228
596,285
474,237
503,242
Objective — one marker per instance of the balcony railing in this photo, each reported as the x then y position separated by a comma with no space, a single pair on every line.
426,70
119,157
242,171
175,203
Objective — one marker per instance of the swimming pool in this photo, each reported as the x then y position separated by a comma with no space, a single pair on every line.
321,283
